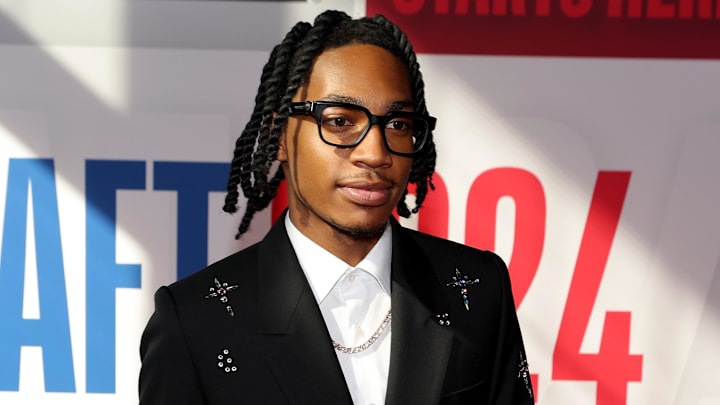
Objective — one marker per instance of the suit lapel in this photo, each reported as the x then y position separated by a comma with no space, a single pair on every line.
420,347
302,359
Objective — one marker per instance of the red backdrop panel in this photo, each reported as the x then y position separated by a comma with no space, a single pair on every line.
612,28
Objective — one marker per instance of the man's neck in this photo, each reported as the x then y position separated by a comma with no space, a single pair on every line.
350,247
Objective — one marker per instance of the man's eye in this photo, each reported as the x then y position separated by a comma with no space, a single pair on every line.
337,122
340,122
399,125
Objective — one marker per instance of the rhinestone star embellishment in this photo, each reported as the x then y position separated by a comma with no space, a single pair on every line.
462,282
220,291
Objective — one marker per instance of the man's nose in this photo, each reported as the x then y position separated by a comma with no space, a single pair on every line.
372,151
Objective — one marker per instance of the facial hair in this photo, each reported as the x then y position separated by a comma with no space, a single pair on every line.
357,233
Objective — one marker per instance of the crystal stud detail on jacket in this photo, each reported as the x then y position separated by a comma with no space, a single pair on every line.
463,282
443,319
225,362
524,373
220,291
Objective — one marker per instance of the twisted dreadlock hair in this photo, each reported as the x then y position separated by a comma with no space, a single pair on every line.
286,71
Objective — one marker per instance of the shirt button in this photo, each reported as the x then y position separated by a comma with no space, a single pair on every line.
351,278
359,331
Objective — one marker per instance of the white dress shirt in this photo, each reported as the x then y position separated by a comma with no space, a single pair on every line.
354,301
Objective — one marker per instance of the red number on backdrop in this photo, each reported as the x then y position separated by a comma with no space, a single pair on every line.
529,235
480,223
612,367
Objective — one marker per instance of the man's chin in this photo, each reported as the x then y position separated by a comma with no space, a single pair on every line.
361,233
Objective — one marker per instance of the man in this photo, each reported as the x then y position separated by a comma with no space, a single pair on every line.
338,304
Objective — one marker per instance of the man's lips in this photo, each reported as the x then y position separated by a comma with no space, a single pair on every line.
367,193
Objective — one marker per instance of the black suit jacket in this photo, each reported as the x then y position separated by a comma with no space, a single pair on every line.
275,348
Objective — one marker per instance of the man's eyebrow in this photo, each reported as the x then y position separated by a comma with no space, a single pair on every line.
393,106
342,99
399,105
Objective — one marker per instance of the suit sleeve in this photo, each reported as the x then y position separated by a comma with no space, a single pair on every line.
511,381
167,375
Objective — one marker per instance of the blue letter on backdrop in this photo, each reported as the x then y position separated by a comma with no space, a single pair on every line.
193,182
102,180
52,330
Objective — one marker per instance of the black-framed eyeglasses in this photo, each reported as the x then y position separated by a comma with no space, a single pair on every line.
345,125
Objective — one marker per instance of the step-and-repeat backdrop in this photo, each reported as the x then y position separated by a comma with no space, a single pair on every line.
578,139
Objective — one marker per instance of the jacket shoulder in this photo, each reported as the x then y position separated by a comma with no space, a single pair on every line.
436,248
236,265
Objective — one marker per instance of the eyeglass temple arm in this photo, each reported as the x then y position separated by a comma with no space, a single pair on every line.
303,107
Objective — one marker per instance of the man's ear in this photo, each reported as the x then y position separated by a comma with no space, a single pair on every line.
282,152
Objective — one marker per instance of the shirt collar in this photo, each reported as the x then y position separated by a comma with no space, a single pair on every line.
323,270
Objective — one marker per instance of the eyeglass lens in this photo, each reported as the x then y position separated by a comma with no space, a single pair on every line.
344,126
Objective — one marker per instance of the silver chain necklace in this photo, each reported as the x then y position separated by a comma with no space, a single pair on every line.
369,342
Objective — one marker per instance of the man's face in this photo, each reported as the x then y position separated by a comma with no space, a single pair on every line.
351,190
